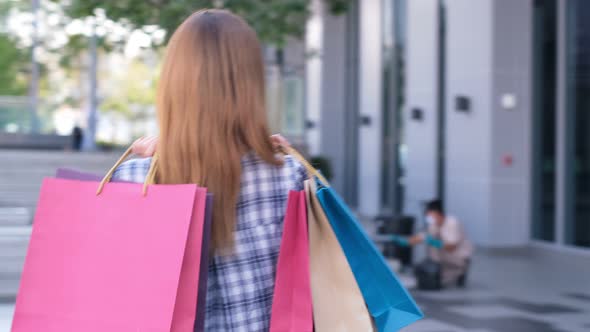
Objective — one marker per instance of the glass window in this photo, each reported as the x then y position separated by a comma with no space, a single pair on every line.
394,28
293,106
578,113
388,107
544,106
351,110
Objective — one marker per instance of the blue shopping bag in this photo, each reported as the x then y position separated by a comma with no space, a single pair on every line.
388,301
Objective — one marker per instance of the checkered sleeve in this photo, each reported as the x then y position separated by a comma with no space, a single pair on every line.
298,171
134,170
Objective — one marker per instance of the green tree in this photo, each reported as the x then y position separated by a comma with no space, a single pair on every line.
13,66
274,20
135,92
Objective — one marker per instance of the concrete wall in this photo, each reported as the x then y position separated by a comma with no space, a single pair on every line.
422,75
488,148
333,126
370,105
510,203
487,157
469,135
35,141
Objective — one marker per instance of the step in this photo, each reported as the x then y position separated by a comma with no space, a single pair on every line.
15,216
14,241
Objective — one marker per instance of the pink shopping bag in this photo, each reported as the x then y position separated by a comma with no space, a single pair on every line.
118,262
72,174
292,302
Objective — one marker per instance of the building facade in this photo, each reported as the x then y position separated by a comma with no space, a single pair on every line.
483,103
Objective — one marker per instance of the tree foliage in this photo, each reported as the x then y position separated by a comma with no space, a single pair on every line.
135,92
274,20
14,63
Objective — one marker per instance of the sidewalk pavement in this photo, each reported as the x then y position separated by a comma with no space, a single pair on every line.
5,316
527,290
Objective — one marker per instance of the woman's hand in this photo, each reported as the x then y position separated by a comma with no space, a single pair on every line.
146,146
278,141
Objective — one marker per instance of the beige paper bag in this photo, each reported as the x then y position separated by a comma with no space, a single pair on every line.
338,304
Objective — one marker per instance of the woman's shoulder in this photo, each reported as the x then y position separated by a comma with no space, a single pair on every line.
291,170
290,164
134,170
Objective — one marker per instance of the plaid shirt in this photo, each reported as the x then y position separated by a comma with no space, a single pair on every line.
240,286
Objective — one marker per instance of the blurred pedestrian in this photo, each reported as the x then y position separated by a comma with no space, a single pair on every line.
77,138
447,242
214,132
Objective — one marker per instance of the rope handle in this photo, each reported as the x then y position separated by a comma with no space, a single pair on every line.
311,171
150,178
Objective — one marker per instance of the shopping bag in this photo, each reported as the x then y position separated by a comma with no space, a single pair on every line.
204,271
388,301
338,304
292,304
67,173
117,261
72,174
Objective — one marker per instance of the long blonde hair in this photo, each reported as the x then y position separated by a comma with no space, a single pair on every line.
211,111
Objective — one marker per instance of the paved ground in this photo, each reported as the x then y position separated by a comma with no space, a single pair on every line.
524,290
519,290
13,247
5,317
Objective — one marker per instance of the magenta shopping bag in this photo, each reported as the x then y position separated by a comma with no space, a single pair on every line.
292,303
119,261
72,174
67,173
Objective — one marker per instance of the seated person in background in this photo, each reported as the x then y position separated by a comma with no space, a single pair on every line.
447,242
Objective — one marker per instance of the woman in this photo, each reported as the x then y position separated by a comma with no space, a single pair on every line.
214,132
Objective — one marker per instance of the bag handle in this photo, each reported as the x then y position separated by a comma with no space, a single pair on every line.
311,171
150,178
